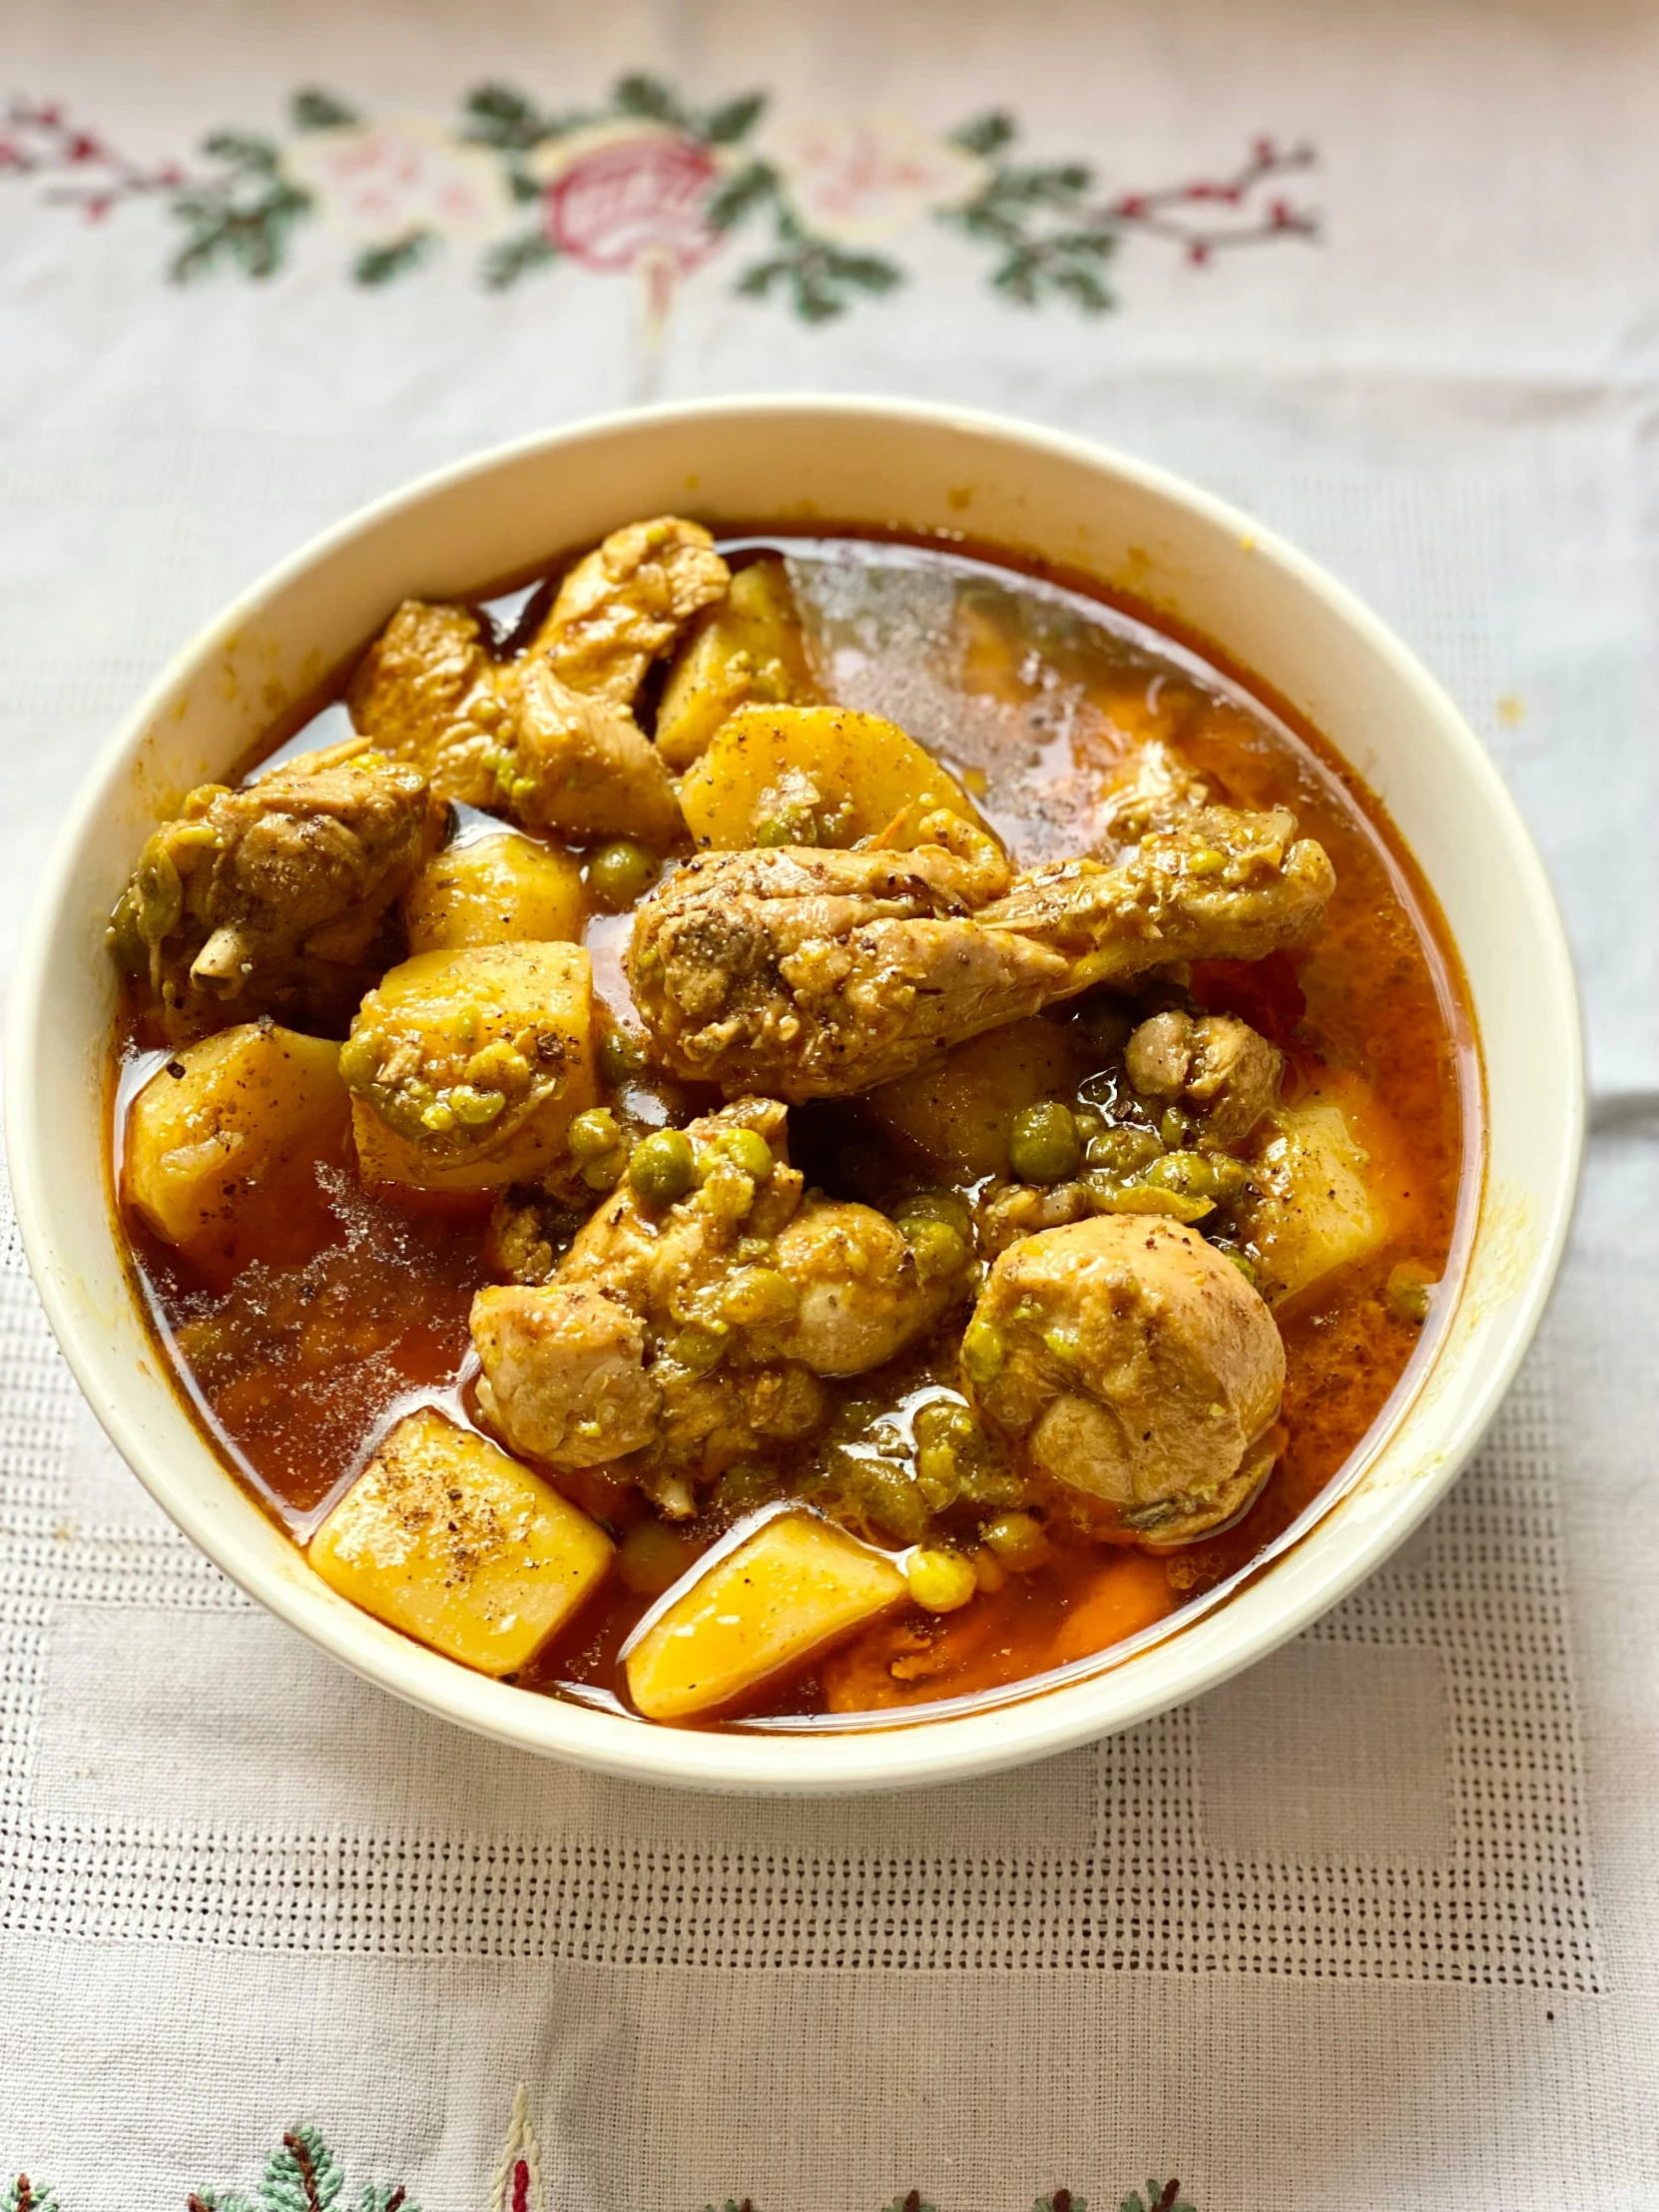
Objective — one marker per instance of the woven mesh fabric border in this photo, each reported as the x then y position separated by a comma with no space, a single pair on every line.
1510,1904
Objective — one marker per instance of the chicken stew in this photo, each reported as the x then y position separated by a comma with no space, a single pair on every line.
781,1131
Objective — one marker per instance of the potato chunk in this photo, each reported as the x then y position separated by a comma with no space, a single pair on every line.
959,1112
1318,1207
448,1539
466,1068
748,650
791,1588
218,1123
815,776
497,889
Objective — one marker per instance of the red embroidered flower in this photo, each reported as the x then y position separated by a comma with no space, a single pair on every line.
621,202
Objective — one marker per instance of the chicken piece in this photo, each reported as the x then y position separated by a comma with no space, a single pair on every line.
1216,884
860,1297
811,973
1006,1212
1215,1067
271,896
723,1308
815,974
427,692
564,1374
626,603
1136,1365
581,764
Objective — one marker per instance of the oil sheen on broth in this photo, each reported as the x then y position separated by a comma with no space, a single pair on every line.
331,1309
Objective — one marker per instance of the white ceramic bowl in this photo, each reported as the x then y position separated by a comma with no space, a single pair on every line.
842,460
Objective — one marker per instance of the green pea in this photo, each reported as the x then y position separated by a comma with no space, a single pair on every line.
1018,1539
946,1205
938,1249
787,829
593,1134
1406,1292
1042,1143
160,891
944,1421
621,1057
1122,1151
621,873
982,1352
661,1167
1211,1175
125,938
698,1348
651,1558
759,1298
749,1150
475,1108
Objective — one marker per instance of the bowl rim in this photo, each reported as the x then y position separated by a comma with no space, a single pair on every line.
905,1755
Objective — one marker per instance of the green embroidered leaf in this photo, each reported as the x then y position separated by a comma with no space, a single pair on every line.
726,125
522,185
24,2195
650,98
240,222
302,2175
745,191
514,258
986,135
219,2200
378,264
817,276
498,115
315,110
241,151
913,2202
380,2196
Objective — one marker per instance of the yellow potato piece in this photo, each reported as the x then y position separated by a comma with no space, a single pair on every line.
429,1029
959,1112
749,648
249,1101
796,1585
448,1539
501,888
813,775
1318,1208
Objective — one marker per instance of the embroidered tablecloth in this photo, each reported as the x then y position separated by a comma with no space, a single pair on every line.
1373,1925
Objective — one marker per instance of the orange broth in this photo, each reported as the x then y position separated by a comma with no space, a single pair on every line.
333,1310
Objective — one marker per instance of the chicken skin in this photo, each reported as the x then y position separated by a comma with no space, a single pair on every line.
1134,1364
270,898
815,974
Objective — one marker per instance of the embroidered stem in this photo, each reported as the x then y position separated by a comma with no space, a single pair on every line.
302,2155
38,140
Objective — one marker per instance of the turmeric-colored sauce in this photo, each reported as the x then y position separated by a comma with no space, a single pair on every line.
309,1326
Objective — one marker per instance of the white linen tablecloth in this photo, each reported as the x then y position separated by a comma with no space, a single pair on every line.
1373,1925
